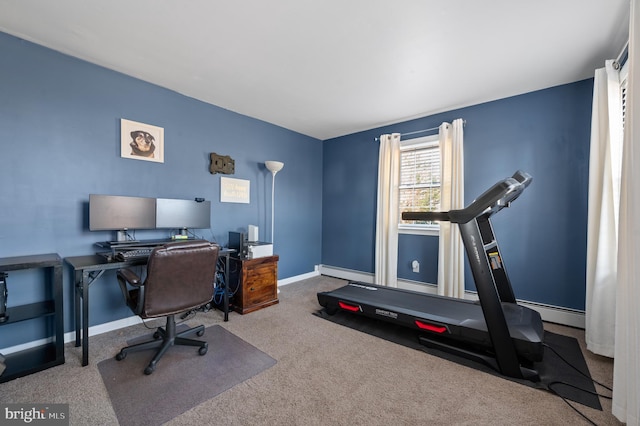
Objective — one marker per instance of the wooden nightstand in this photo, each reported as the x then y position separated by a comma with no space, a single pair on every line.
257,283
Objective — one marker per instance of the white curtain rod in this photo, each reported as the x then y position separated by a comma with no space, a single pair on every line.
464,122
623,56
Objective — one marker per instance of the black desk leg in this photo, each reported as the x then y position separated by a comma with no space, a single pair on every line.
59,319
77,278
226,289
85,319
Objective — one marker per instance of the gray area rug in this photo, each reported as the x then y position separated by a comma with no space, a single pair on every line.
563,370
182,379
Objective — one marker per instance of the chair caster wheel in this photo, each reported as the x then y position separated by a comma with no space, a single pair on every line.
120,356
156,335
149,370
200,333
203,350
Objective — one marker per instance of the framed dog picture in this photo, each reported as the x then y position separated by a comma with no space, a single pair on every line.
140,141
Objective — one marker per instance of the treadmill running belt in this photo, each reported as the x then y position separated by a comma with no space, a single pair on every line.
455,319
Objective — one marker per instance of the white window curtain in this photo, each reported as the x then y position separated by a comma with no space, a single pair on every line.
451,249
626,365
386,255
605,162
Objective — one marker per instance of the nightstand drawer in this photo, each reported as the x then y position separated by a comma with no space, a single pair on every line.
256,294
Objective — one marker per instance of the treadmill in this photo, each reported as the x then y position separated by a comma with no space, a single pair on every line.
494,330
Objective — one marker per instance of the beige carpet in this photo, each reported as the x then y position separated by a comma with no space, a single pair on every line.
325,374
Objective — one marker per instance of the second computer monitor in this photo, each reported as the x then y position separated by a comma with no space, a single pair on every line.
182,214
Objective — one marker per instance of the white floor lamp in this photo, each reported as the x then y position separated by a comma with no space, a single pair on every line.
274,167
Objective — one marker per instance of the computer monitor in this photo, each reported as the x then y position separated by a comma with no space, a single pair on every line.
121,213
182,214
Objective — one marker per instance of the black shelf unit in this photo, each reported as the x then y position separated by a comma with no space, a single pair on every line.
19,364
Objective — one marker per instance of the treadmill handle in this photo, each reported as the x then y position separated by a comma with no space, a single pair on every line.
491,201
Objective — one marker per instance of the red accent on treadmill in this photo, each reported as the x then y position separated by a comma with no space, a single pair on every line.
349,307
431,327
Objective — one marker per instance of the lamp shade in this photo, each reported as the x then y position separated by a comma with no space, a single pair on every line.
274,166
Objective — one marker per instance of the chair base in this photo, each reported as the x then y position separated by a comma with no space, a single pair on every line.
164,339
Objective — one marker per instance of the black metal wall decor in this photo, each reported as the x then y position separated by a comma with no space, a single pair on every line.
221,164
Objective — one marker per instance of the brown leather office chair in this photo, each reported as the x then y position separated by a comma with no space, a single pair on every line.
180,277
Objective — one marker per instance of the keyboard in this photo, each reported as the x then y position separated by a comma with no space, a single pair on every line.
141,253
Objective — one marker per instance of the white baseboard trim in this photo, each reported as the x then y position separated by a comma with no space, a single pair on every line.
28,345
300,277
106,327
126,322
71,336
346,274
549,313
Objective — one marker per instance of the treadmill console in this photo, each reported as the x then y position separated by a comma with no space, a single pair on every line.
488,203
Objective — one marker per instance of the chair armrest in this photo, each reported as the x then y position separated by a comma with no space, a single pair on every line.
130,277
134,297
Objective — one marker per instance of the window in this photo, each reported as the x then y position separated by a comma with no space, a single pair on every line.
419,182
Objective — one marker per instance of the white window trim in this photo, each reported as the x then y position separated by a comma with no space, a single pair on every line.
431,230
417,143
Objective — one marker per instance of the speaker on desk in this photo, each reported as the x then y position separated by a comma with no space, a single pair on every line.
253,233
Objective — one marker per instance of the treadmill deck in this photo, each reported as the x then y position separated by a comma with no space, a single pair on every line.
456,319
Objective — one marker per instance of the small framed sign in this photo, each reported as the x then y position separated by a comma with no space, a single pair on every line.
234,190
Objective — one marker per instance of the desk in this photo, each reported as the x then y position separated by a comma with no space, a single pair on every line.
87,269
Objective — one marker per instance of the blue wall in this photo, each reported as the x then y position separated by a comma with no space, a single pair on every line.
542,236
59,130
59,136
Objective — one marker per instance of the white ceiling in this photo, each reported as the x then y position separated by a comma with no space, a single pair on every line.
327,68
